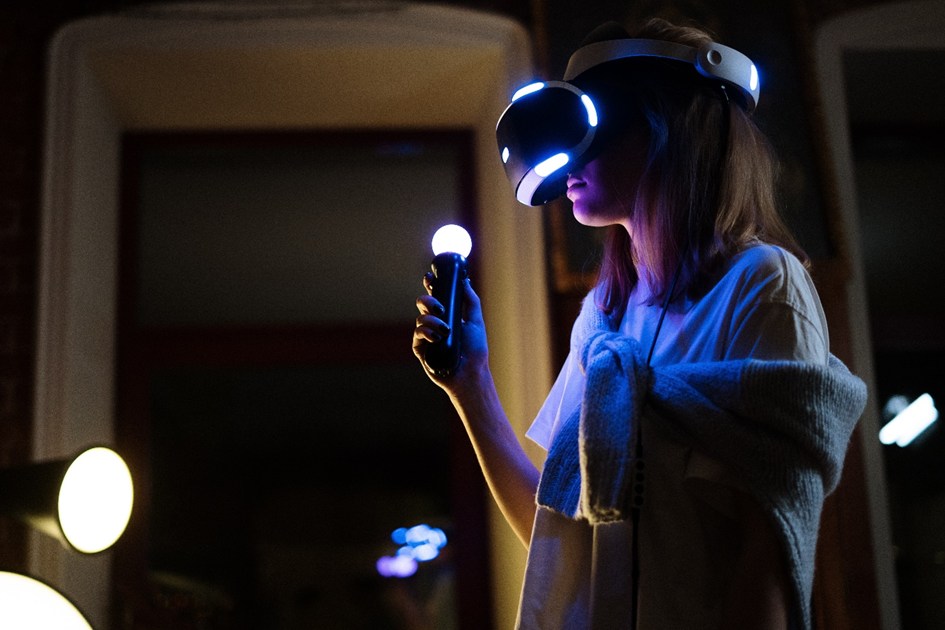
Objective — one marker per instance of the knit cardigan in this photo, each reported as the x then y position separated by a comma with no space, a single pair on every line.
783,426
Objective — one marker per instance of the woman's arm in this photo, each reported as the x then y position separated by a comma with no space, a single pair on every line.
511,476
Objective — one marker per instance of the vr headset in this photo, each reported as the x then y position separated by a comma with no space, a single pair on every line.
554,127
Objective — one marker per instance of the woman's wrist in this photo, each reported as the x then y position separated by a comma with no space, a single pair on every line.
472,384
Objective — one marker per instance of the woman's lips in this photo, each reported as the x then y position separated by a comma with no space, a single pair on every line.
574,184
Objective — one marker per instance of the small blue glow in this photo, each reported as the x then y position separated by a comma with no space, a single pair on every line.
399,535
419,543
425,552
437,537
397,566
753,82
591,110
528,89
552,164
910,422
505,155
417,535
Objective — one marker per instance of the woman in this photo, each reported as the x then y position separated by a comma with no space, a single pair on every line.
699,274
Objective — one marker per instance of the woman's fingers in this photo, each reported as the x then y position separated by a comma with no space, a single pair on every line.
431,328
428,282
428,305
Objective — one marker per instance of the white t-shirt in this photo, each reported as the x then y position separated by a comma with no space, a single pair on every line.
763,305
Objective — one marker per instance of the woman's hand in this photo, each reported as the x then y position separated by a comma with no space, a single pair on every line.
431,328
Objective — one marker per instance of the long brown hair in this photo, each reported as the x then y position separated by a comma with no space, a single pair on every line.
691,198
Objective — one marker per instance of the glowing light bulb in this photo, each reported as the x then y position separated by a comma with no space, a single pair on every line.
452,238
95,500
28,604
528,89
552,164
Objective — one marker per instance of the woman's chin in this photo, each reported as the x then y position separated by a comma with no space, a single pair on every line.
588,219
582,216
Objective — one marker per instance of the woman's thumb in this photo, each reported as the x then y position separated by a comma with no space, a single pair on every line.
472,307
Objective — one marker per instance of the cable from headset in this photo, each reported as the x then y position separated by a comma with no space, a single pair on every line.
638,463
639,475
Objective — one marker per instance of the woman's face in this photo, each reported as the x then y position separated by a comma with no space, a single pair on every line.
603,190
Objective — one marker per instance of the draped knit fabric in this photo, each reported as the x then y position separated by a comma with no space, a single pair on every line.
783,426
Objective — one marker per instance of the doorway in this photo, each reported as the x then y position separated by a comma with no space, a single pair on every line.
275,420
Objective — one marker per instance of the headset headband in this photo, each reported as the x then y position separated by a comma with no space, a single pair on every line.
713,61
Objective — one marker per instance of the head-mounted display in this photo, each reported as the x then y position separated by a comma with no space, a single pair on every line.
548,128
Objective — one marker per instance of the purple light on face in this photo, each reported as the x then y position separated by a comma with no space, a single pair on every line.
397,566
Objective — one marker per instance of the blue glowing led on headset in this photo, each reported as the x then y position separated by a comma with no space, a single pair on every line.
505,155
552,164
528,89
753,82
591,110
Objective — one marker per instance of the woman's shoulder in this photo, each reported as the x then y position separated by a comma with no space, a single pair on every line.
765,272
766,259
776,311
768,265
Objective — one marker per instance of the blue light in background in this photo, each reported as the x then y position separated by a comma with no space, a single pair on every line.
397,566
528,89
505,155
424,552
399,535
437,537
419,543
